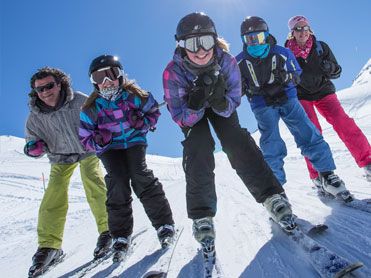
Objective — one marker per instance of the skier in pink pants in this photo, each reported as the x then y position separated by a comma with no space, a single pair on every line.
316,90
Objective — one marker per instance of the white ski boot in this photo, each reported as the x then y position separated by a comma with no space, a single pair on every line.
280,211
332,184
204,233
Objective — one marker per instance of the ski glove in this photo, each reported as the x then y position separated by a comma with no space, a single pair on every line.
102,137
217,100
35,148
330,69
136,119
196,98
203,89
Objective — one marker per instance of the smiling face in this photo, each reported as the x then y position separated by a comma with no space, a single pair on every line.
49,93
201,57
301,36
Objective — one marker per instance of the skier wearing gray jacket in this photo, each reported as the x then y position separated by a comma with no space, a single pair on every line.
52,129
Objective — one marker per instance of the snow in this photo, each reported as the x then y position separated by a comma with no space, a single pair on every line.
364,76
247,244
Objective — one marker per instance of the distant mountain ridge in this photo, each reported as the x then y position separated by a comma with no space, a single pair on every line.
364,75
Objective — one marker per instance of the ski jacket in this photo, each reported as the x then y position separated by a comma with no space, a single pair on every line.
315,83
58,129
115,117
177,80
258,80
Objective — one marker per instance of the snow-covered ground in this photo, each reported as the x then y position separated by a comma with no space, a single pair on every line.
247,244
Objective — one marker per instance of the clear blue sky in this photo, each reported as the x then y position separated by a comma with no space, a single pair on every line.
69,34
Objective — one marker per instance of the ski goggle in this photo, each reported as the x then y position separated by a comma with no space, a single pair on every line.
45,87
109,73
301,28
254,38
193,44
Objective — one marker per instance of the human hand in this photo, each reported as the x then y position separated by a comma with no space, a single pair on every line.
328,67
281,76
136,118
35,148
102,137
217,100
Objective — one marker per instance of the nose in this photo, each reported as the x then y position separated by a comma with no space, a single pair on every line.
201,51
107,81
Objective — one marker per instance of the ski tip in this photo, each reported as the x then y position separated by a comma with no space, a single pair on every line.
317,229
155,274
350,268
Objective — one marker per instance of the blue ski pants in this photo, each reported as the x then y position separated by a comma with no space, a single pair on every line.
307,137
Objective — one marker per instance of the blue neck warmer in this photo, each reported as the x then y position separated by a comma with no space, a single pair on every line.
259,51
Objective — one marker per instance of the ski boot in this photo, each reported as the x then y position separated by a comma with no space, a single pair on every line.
43,259
120,248
279,210
165,235
204,233
104,243
332,184
368,172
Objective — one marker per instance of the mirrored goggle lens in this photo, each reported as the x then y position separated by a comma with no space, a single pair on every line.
193,44
48,86
254,38
302,28
100,75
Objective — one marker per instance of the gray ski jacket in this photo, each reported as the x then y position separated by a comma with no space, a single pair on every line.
58,129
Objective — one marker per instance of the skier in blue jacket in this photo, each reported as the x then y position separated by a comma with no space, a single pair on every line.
269,75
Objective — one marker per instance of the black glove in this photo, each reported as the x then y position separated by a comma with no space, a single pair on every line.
201,90
206,79
196,98
328,67
217,100
281,76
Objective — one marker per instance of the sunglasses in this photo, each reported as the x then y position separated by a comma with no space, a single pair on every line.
109,73
193,44
45,87
301,29
254,38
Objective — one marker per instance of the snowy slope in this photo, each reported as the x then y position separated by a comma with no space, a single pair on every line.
247,244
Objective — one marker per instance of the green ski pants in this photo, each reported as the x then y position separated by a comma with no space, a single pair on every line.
54,206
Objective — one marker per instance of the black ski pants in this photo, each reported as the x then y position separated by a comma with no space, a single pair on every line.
125,166
243,154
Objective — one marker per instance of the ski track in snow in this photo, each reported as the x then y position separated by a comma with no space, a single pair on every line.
247,244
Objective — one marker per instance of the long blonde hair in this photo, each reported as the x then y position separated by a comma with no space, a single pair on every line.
128,85
222,43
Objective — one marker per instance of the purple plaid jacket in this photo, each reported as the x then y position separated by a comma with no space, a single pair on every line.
116,117
177,80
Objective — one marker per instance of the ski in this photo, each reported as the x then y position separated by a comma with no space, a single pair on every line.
363,205
327,263
86,268
162,267
211,264
36,271
309,228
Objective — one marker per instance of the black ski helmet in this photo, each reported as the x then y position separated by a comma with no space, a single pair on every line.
195,24
103,61
253,24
